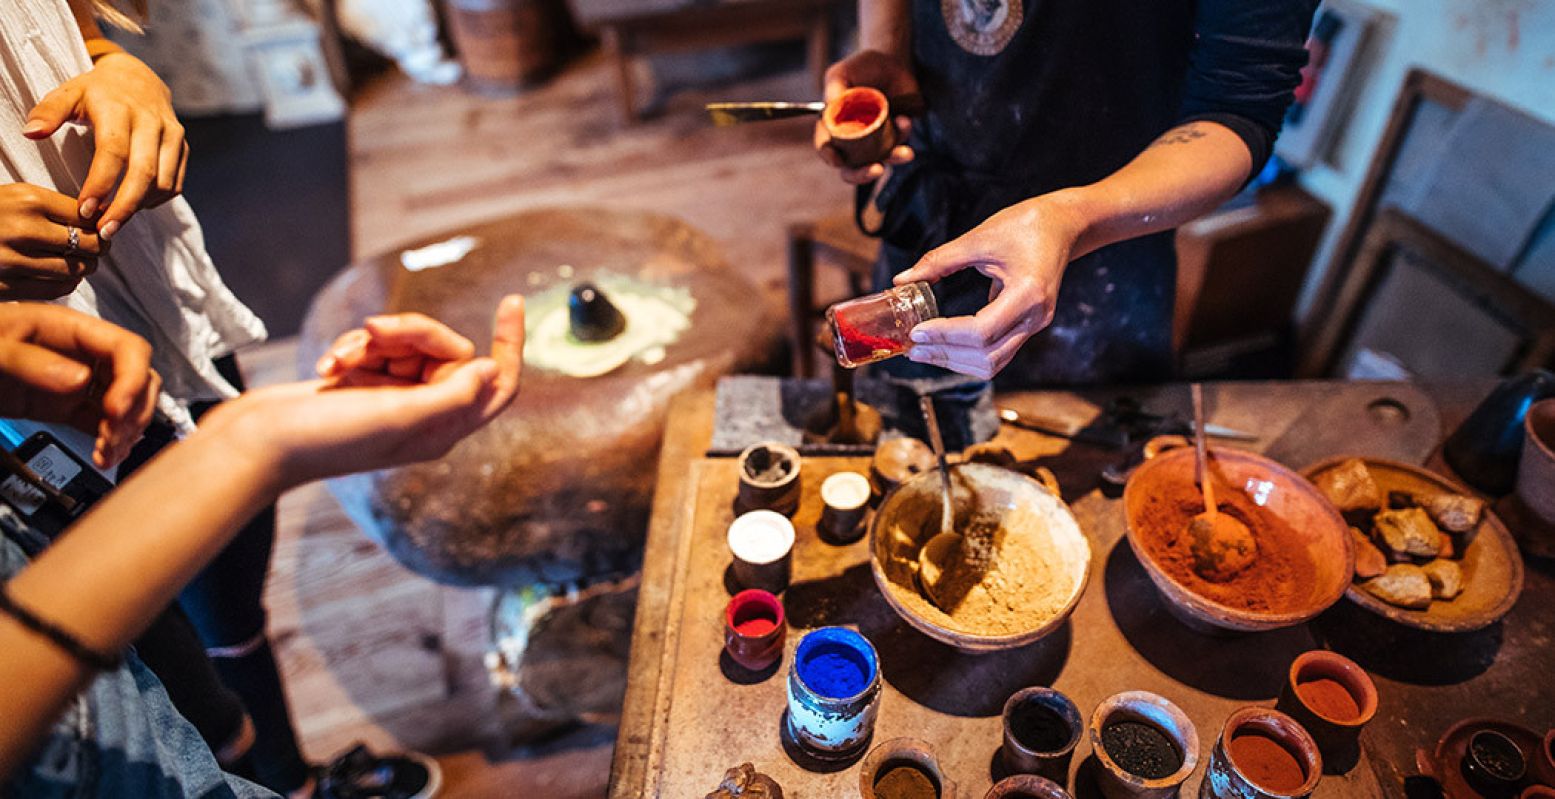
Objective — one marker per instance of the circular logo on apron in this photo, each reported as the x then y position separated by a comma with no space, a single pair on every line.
982,27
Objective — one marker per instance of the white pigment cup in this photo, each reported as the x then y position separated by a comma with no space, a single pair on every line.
762,542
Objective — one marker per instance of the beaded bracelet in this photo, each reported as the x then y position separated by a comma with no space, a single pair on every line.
57,636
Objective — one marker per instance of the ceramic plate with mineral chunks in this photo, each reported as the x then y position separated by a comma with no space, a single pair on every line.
1491,565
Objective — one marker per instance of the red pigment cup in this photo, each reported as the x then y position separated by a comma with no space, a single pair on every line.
1262,754
754,629
1333,698
859,123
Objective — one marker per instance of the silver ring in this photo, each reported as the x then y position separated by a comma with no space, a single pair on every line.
72,240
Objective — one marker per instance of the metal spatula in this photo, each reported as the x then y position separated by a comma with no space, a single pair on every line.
725,114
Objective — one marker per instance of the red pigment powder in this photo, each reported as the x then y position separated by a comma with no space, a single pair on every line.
1280,578
755,628
856,115
1329,699
1264,761
860,346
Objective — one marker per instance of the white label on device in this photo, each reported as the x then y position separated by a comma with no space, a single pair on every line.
52,465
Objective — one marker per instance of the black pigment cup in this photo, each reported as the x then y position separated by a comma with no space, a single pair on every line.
1493,764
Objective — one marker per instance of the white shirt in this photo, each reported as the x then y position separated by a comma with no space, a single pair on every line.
157,281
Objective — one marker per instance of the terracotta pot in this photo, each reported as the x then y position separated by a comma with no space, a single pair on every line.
754,651
859,122
1338,739
1026,786
1117,782
1536,480
1322,533
1544,764
1225,778
898,752
1052,763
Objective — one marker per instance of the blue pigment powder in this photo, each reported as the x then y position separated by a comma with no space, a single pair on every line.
835,670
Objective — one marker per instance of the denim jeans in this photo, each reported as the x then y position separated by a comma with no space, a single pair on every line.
121,737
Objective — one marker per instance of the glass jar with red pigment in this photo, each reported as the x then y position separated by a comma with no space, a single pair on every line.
875,327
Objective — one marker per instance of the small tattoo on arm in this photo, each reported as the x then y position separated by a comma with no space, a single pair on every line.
1181,135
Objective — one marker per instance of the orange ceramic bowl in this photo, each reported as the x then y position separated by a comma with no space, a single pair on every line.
1322,537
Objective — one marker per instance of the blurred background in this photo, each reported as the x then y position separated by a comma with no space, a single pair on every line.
1404,231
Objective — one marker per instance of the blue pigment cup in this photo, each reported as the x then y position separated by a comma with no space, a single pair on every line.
833,693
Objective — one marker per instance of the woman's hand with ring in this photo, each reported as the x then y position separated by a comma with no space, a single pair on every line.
45,246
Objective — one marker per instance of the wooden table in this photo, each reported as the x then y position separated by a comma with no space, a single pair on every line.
685,720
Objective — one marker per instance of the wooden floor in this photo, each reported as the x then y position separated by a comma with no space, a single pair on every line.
370,651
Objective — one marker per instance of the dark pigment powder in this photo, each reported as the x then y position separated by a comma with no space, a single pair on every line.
860,346
1141,749
1266,762
1039,727
835,671
766,466
1500,757
904,781
1329,699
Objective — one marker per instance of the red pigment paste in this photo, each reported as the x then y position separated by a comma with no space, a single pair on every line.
755,628
1329,699
856,114
1264,761
860,346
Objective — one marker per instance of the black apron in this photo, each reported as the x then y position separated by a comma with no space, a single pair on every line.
1024,99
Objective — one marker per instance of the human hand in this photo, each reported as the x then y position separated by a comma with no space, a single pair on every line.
138,141
1024,249
888,74
57,365
37,261
405,388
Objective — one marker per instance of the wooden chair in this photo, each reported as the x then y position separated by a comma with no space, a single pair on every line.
838,242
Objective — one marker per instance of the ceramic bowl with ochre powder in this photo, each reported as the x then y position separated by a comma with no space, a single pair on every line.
1036,566
1303,560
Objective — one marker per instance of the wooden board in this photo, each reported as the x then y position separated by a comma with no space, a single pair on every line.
709,716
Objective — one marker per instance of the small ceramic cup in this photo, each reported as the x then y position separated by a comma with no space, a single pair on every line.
1026,786
769,478
846,498
754,629
1493,764
1143,707
1544,764
1338,737
1037,757
829,661
762,542
898,753
859,122
1235,775
1536,480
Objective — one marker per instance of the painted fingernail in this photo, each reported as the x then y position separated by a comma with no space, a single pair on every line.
34,126
89,208
107,231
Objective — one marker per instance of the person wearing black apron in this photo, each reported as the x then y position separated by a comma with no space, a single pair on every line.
1062,142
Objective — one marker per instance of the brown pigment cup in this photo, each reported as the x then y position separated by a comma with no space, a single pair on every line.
1037,712
769,478
1307,697
859,123
1493,764
899,753
1142,707
1026,786
1262,754
754,629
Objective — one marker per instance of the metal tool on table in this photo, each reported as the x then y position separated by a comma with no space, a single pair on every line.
1120,424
